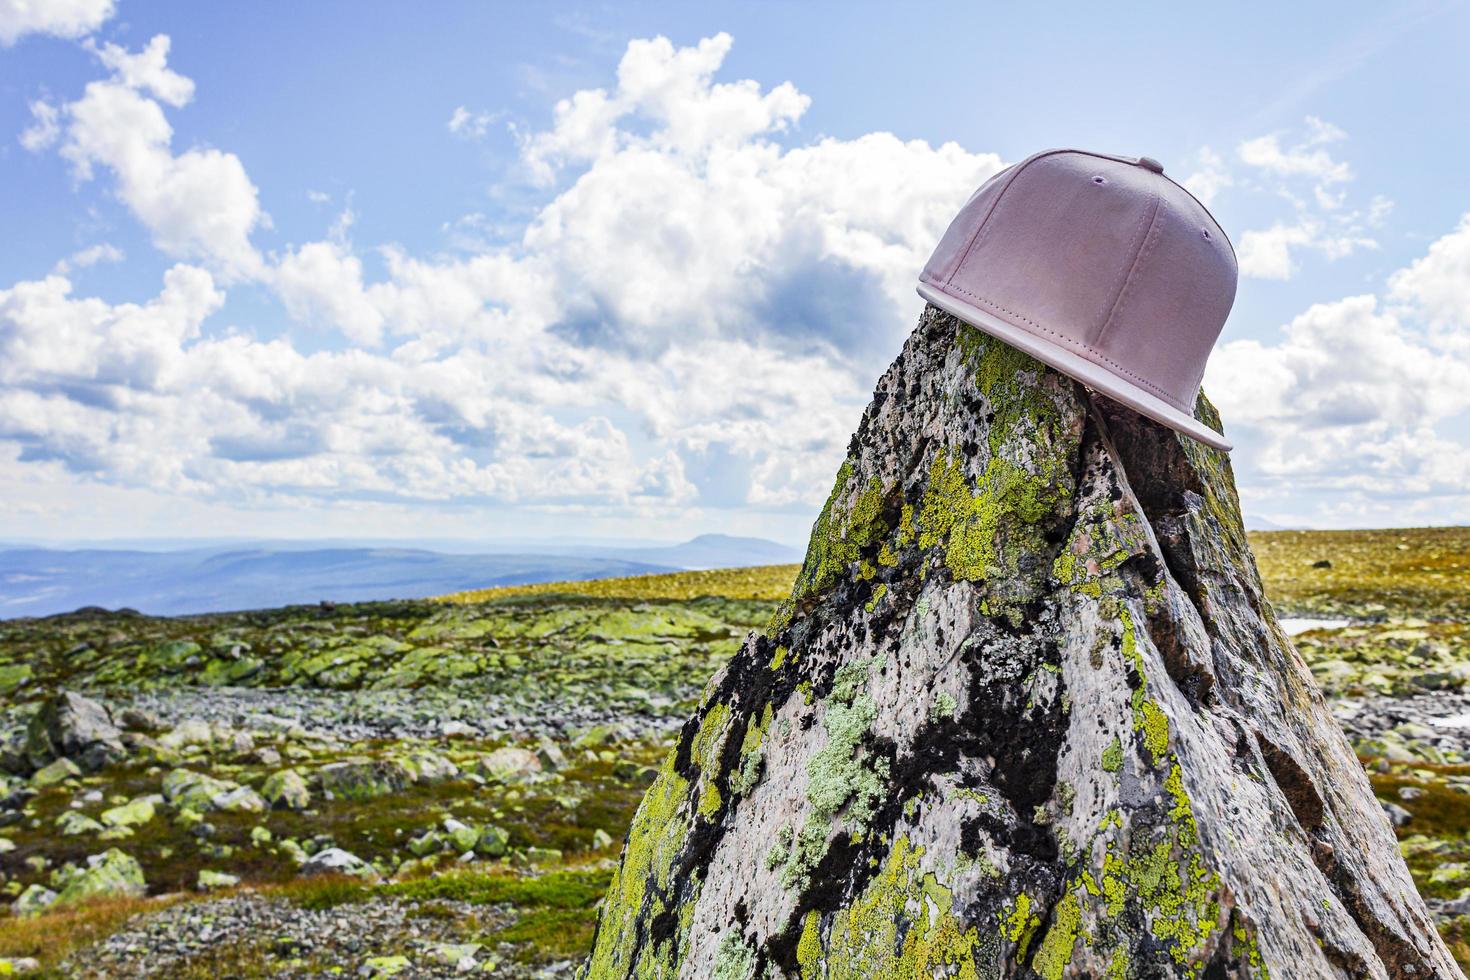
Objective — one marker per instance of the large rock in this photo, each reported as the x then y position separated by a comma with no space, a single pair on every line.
69,726
1027,713
112,874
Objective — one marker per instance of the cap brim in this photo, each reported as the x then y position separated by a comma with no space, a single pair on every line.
1076,366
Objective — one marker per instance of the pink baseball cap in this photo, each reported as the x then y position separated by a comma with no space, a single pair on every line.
1099,266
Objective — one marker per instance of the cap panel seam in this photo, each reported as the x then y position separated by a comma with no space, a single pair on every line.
1103,358
980,228
1144,248
1139,239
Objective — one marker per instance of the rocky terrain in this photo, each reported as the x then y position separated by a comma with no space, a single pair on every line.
433,788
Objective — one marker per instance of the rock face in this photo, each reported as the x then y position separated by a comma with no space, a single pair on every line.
1027,713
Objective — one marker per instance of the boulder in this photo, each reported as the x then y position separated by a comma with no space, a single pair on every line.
364,779
112,874
131,814
214,880
35,899
55,772
286,790
507,764
69,726
1027,713
187,790
335,861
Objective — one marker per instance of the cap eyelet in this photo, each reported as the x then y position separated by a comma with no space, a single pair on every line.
1205,232
1099,179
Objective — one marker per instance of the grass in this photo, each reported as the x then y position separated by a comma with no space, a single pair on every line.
760,582
52,936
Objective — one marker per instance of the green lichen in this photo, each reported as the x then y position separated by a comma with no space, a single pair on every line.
851,521
1112,757
901,927
944,706
877,597
655,838
1155,726
809,946
748,769
734,960
1019,924
983,528
841,777
1055,951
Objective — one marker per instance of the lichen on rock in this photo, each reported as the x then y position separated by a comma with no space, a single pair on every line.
1026,713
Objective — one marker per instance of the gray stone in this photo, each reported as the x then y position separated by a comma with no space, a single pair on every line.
1138,774
69,726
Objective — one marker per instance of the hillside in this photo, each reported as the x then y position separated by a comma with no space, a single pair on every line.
478,758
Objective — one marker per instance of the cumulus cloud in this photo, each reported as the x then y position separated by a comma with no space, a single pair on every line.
1321,222
1437,285
1350,405
58,18
198,204
695,314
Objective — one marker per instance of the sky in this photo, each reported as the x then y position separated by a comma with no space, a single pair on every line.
487,271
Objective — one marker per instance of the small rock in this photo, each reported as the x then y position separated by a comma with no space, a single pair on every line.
55,772
334,860
36,898
213,880
1397,815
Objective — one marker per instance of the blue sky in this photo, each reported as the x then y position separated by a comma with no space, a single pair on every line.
494,270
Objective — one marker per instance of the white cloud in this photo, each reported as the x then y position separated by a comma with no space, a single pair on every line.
45,130
1437,284
59,18
1309,158
1350,408
1210,179
1268,254
88,257
471,125
1321,222
198,204
695,316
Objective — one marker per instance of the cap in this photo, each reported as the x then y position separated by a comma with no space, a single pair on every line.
1099,266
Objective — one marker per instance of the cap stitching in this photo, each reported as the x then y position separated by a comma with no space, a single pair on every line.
1076,343
1149,241
980,229
1149,215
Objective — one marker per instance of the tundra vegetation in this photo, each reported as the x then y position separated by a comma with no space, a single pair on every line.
423,788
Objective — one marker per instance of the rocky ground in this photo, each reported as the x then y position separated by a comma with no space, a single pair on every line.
432,788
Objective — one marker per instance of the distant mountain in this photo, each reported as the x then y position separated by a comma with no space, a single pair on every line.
1253,523
38,581
708,551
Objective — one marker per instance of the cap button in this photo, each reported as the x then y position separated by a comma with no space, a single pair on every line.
1149,163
